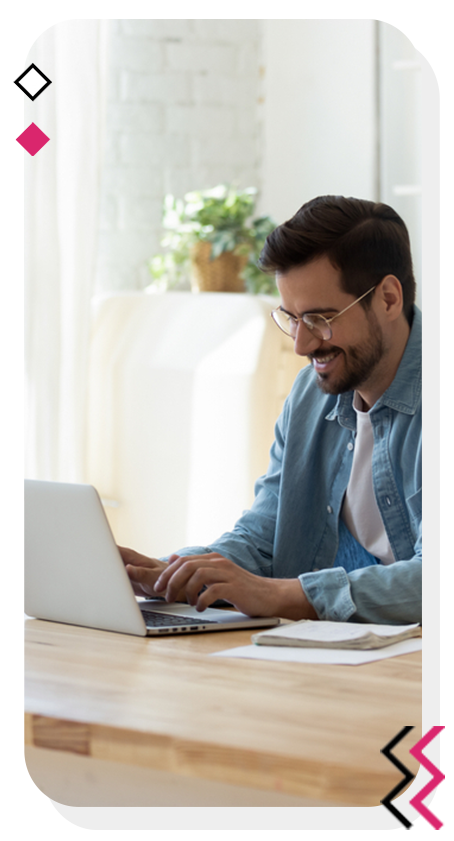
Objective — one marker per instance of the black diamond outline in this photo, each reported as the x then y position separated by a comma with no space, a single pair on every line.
24,90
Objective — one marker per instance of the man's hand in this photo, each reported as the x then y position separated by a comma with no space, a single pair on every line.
205,578
143,572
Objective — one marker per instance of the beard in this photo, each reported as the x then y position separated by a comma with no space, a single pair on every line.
360,362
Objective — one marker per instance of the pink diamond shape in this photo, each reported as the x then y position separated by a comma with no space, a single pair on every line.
32,139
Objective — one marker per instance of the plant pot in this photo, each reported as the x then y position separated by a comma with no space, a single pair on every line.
219,275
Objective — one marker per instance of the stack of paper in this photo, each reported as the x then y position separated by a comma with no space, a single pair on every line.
310,633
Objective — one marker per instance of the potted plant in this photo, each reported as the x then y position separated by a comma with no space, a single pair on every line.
213,243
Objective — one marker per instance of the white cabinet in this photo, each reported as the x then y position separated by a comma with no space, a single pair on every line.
184,392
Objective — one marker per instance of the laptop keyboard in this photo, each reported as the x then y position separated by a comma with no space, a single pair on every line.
156,620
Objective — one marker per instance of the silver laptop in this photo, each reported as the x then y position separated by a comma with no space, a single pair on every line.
74,572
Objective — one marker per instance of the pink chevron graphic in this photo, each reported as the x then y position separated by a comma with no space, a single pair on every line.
32,138
438,777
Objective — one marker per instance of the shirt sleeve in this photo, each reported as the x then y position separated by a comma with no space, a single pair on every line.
389,594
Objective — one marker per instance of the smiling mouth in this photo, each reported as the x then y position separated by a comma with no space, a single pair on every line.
327,357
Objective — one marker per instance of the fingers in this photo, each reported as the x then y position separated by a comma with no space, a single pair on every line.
163,585
218,590
201,579
142,580
126,554
129,556
191,574
150,576
142,571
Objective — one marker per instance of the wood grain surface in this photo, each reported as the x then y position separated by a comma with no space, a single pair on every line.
308,730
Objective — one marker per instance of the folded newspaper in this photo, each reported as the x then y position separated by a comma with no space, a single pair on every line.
311,633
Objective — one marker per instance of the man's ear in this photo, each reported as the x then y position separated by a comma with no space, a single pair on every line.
391,297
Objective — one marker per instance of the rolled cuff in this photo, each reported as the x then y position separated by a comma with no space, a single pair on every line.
329,593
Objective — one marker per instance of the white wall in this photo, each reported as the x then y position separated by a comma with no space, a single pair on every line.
289,106
342,113
319,112
181,115
400,134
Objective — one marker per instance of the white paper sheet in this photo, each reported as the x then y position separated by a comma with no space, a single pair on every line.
333,656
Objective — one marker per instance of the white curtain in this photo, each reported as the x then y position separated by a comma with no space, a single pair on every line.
62,184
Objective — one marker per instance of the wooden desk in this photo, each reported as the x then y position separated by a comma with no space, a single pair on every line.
285,733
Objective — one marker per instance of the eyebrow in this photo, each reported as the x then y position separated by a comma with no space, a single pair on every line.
316,311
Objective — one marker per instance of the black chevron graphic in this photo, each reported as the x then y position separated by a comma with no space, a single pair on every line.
408,776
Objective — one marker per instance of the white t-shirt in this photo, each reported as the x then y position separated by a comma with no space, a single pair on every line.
360,511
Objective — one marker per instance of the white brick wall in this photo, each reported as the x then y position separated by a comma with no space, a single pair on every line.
182,114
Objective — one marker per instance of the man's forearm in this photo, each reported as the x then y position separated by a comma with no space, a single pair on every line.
291,600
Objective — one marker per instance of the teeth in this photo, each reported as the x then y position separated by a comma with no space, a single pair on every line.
323,359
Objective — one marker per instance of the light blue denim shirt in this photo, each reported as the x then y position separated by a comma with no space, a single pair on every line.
292,528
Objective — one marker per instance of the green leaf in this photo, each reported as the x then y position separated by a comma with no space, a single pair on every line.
223,216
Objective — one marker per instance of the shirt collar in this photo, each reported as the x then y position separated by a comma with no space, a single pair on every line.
404,393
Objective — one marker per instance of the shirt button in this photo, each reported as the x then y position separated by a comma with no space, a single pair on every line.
349,446
329,509
388,500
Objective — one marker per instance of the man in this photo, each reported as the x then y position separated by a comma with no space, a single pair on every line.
335,528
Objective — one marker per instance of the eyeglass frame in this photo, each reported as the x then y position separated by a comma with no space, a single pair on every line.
298,318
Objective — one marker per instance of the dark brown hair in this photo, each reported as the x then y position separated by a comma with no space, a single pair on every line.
365,240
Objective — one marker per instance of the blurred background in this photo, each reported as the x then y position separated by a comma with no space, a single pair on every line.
166,400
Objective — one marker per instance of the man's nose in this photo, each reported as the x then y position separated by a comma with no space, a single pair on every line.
304,341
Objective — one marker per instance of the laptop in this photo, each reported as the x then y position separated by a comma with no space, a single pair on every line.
74,572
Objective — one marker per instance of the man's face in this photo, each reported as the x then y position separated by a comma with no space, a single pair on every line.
351,358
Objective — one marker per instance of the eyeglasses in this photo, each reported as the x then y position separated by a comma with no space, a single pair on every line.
317,324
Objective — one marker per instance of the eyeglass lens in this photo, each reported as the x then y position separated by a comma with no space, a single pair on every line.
318,326
315,323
